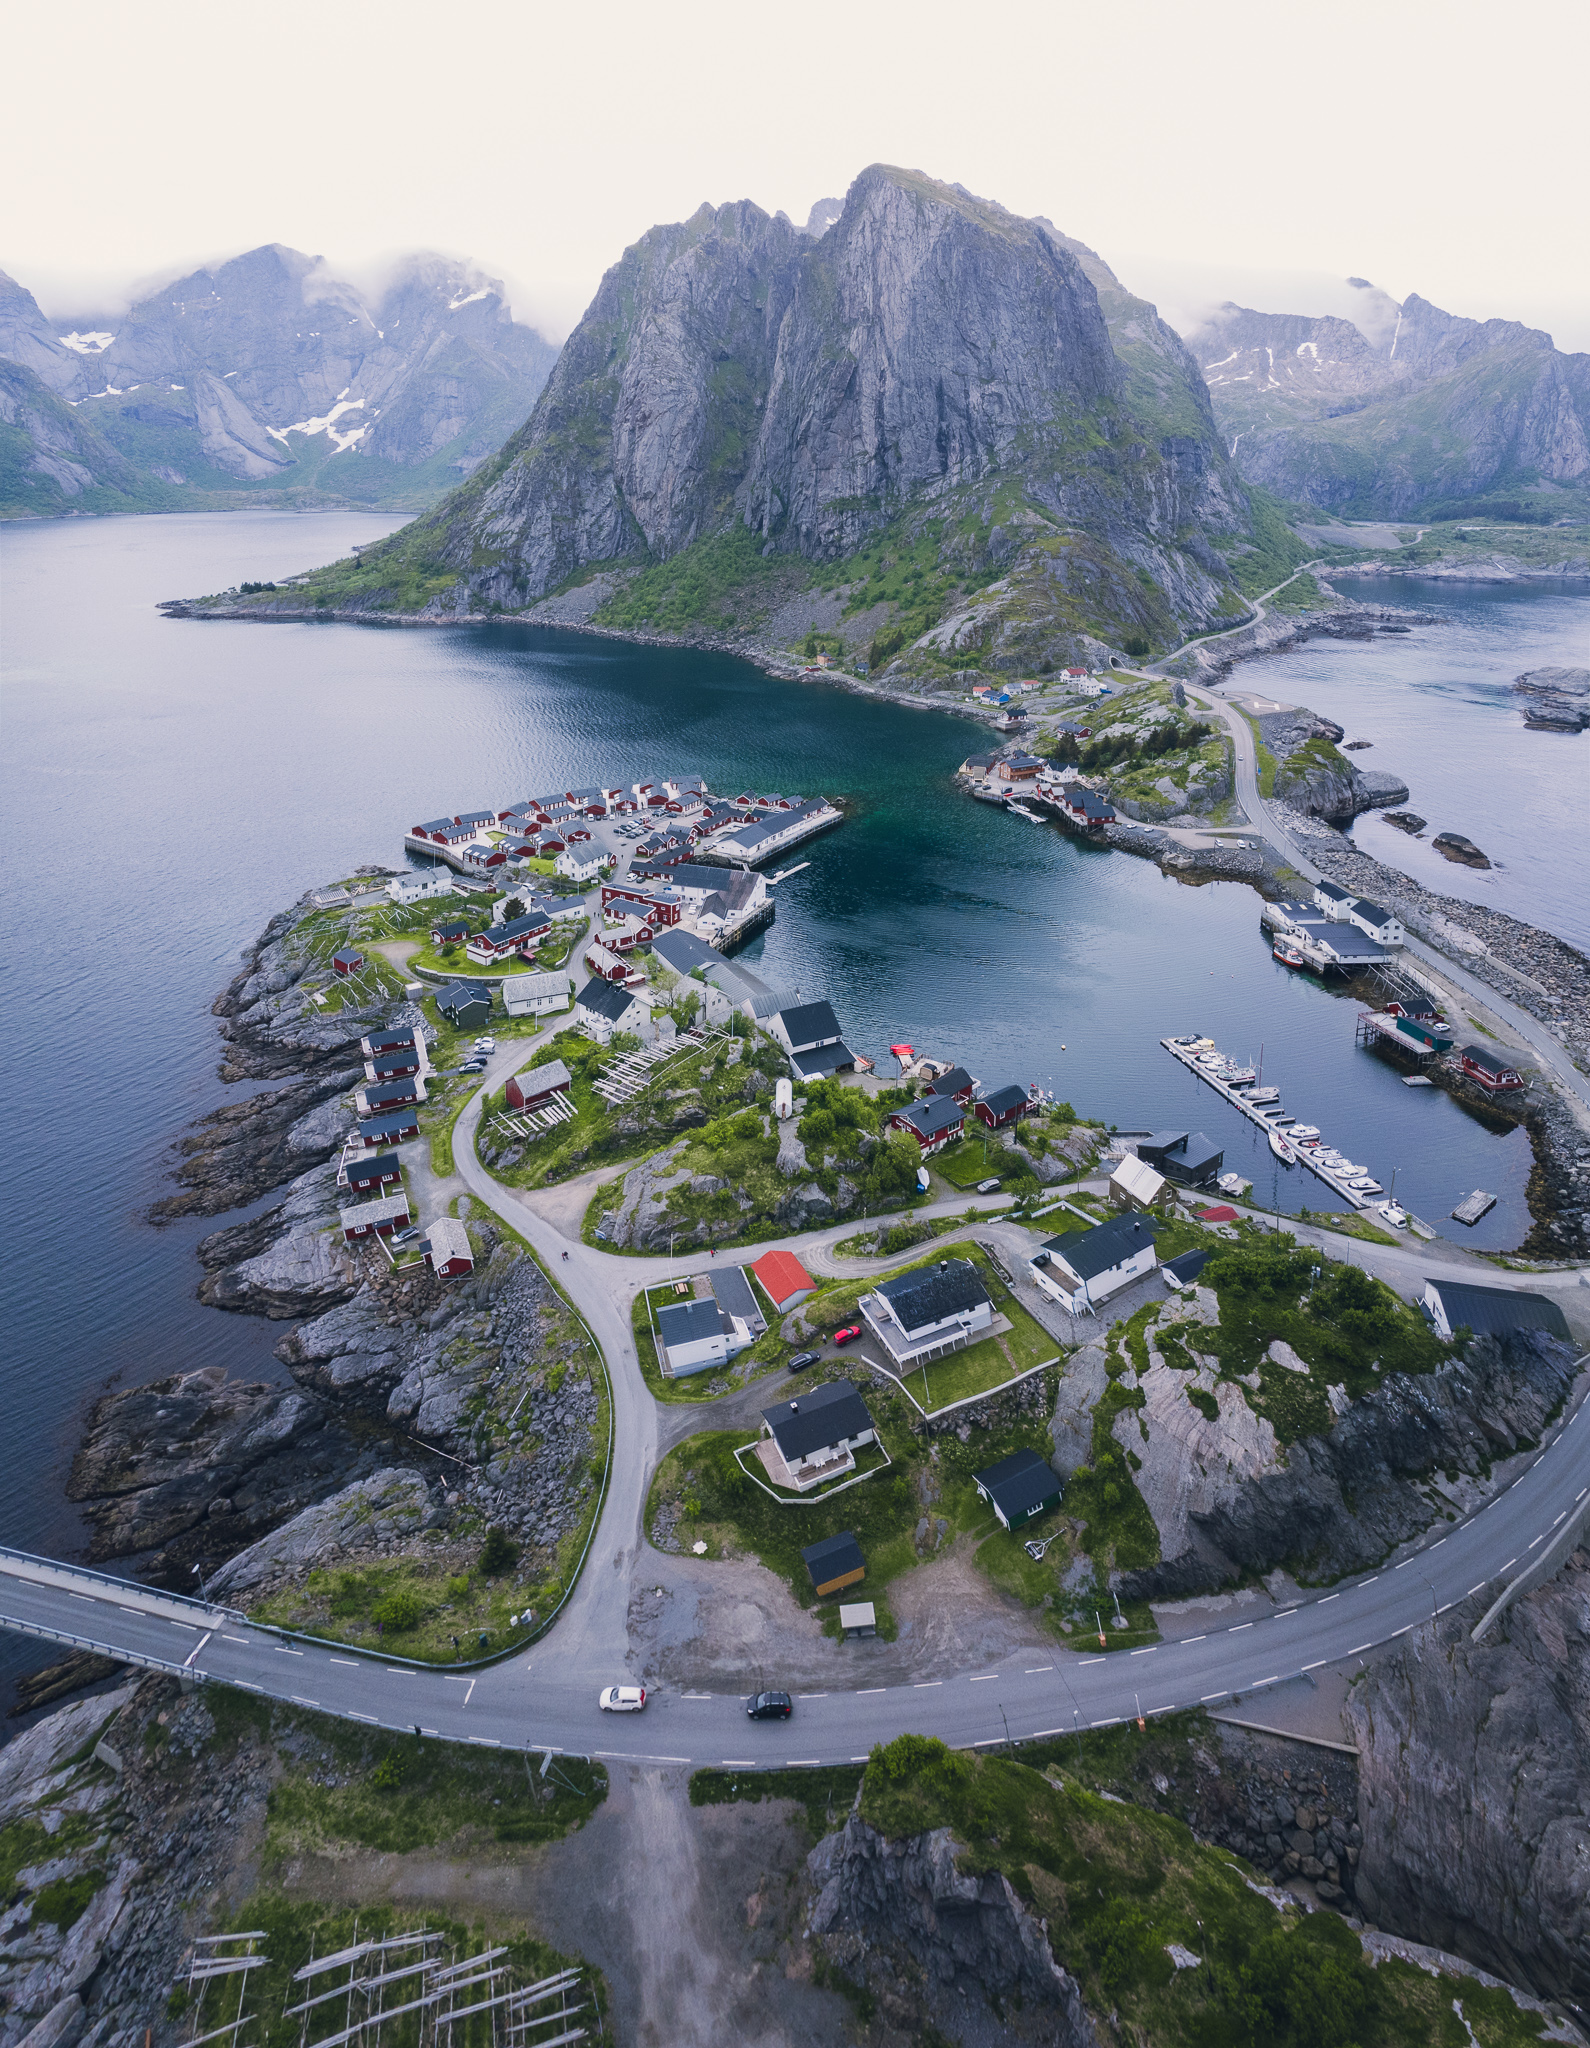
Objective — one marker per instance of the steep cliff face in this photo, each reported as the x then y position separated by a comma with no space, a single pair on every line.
1408,409
641,438
55,460
924,364
1475,1787
1345,1498
269,371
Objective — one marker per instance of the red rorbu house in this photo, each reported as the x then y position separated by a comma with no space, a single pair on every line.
347,962
605,964
483,856
476,821
549,842
446,1248
957,1083
933,1121
1493,1074
536,1086
444,832
451,931
382,1170
376,1219
1003,1106
628,933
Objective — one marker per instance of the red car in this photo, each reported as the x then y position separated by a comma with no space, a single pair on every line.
850,1330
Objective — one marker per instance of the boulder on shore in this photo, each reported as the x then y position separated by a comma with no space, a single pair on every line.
1453,846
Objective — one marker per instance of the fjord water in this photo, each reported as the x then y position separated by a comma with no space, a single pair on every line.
169,786
1438,708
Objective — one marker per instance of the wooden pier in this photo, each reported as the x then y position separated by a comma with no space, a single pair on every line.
1255,1115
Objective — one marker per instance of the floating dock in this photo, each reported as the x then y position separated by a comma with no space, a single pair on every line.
1255,1115
1473,1207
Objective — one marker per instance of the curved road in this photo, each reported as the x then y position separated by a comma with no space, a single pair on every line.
545,1697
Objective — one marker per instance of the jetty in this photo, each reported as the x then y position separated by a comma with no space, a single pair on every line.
1188,1050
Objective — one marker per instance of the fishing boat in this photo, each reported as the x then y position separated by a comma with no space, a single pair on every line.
1288,955
1239,1077
1281,1149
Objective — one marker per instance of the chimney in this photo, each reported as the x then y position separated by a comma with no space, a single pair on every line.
794,1407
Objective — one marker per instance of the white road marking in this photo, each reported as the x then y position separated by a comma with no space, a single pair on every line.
738,1762
1538,1539
860,1759
351,1662
1282,1612
1404,1564
1146,1653
92,1602
926,1684
299,1701
428,1731
373,1718
1112,1722
247,1685
1208,1696
1264,1681
244,1641
1561,1518
1033,1669
485,1741
866,1689
801,1763
467,1696
1359,1649
1508,1566
1238,1627
1375,1581
1092,1660
811,1695
1469,1595
1401,1631
283,1651
1192,1639
1314,1666
982,1678
988,1741
1328,1596
702,1695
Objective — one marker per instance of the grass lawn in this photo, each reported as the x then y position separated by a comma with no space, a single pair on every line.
717,1503
970,1160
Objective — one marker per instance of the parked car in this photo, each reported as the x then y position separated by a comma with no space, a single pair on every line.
845,1335
621,1699
988,1187
801,1360
485,1045
770,1706
471,1067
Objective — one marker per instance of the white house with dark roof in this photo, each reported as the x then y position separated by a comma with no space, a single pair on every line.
930,1311
815,1436
1332,901
1083,1268
810,1034
1370,918
604,1007
414,885
1451,1305
692,1336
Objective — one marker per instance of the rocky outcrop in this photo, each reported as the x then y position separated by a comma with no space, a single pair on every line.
291,1261
241,1151
1558,698
190,1469
1474,1773
1454,847
1344,1499
392,1505
903,1910
1312,777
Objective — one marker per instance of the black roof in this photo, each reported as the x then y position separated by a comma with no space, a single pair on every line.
1334,891
1091,1252
934,1113
1488,1060
821,1416
374,1166
1019,1483
1370,910
833,1558
1187,1267
397,1060
451,924
822,1060
1493,1311
459,994
931,1293
809,1024
1002,1100
609,999
952,1083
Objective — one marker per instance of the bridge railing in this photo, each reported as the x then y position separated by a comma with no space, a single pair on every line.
135,1587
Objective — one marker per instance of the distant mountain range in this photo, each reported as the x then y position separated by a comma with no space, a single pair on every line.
1404,412
265,378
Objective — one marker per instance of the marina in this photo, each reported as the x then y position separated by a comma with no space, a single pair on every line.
1262,1106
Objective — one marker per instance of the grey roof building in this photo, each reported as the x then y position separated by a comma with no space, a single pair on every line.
1489,1311
819,1419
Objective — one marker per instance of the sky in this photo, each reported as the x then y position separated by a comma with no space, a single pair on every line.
1226,150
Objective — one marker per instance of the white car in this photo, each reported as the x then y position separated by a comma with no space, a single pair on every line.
621,1699
485,1045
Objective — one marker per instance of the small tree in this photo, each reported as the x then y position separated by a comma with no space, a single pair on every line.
498,1554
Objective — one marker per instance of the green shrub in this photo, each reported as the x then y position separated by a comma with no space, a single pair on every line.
498,1554
64,1902
388,1773
398,1610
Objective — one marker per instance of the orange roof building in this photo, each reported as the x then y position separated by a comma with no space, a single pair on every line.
783,1279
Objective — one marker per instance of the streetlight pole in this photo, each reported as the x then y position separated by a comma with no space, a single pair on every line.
199,1574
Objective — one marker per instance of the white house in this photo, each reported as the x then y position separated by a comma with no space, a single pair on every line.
413,885
809,1033
1085,1267
580,864
1377,923
815,1436
536,995
604,1007
1333,902
1135,1185
926,1313
693,1336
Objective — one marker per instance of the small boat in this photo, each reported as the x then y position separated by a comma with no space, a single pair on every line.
1365,1186
1240,1077
1394,1213
1281,1149
1287,954
1261,1095
1021,811
1308,1133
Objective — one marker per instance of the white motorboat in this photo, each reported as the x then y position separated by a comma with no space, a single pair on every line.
1239,1077
1365,1186
1307,1134
1281,1149
1258,1095
1394,1213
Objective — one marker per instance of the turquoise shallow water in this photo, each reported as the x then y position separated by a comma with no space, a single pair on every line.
168,786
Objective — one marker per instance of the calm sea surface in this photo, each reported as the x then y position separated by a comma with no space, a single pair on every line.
169,786
1438,706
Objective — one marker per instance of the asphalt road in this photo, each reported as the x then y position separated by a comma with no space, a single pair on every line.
546,1698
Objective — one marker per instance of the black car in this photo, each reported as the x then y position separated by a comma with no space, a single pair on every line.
770,1706
801,1360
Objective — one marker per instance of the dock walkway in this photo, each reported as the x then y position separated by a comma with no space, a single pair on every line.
1255,1115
